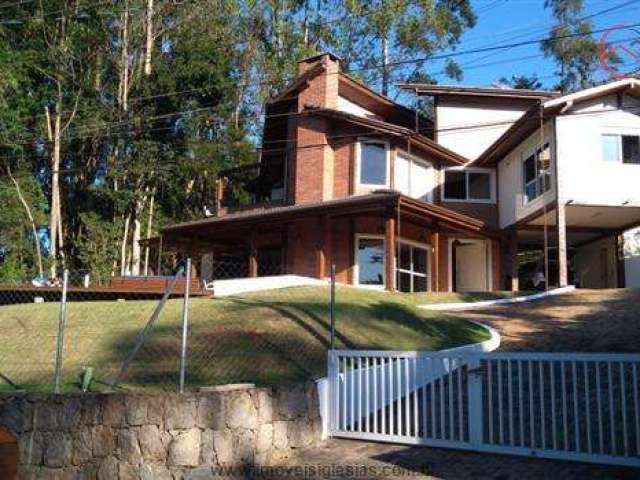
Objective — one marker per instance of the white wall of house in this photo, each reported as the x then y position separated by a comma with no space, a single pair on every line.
595,264
346,105
586,179
632,258
455,117
511,200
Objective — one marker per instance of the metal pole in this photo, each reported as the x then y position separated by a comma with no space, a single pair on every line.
62,318
185,320
332,303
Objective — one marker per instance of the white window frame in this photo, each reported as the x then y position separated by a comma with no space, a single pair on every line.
533,151
414,158
371,186
467,170
356,267
423,246
618,135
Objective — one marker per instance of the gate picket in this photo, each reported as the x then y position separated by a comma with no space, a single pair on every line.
422,397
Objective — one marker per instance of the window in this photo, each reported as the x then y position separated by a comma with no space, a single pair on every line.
373,164
621,148
536,173
413,177
370,261
466,185
412,272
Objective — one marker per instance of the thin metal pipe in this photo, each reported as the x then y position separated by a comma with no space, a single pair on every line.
62,320
185,325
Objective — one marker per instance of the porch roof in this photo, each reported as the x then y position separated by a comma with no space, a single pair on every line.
379,201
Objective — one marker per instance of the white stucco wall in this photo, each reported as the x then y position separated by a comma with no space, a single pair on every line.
632,258
586,179
588,264
510,181
346,105
455,117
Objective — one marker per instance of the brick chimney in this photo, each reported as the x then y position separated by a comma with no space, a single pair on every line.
314,159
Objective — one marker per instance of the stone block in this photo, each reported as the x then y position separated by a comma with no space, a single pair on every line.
16,415
265,406
179,413
58,450
241,412
244,447
300,434
31,448
136,410
155,410
264,440
129,447
70,414
155,472
81,446
290,402
200,473
108,469
103,441
113,411
151,443
223,445
211,411
207,450
280,438
45,416
184,449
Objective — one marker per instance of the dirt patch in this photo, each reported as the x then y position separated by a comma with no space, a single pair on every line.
582,321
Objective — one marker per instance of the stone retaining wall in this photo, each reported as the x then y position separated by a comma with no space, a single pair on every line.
173,437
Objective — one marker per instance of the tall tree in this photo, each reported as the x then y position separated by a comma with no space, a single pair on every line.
377,35
571,45
522,82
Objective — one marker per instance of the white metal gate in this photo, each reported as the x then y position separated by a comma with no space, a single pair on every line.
581,407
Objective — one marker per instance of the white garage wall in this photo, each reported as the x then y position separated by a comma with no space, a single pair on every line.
586,178
632,258
587,264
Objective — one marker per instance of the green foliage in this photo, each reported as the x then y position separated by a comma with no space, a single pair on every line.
18,260
523,82
571,45
97,246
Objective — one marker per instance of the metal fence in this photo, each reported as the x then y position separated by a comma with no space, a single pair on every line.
166,333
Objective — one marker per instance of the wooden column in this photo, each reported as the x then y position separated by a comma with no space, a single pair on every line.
620,261
323,247
253,256
561,223
390,252
513,257
435,260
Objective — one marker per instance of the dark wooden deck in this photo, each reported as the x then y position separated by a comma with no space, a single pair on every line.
127,288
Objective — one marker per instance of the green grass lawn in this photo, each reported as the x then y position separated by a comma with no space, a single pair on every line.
266,338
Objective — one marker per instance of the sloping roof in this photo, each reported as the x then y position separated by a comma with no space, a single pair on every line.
381,199
530,120
491,92
435,149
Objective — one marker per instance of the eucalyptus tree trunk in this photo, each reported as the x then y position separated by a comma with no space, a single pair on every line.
149,45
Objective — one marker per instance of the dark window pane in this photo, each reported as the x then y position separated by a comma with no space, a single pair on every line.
479,186
420,260
405,257
404,283
454,185
371,261
630,149
373,164
531,191
420,284
529,169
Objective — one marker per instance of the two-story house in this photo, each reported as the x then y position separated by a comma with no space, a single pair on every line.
398,201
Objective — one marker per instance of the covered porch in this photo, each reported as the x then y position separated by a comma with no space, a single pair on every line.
379,240
585,245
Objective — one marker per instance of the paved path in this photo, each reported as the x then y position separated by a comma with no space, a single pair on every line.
585,321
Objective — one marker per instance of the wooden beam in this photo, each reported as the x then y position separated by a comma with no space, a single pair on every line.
390,251
513,256
620,261
435,263
253,256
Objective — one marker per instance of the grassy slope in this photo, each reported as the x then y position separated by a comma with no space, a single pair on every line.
266,337
427,298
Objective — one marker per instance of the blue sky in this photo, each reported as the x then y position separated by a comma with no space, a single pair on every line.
511,21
